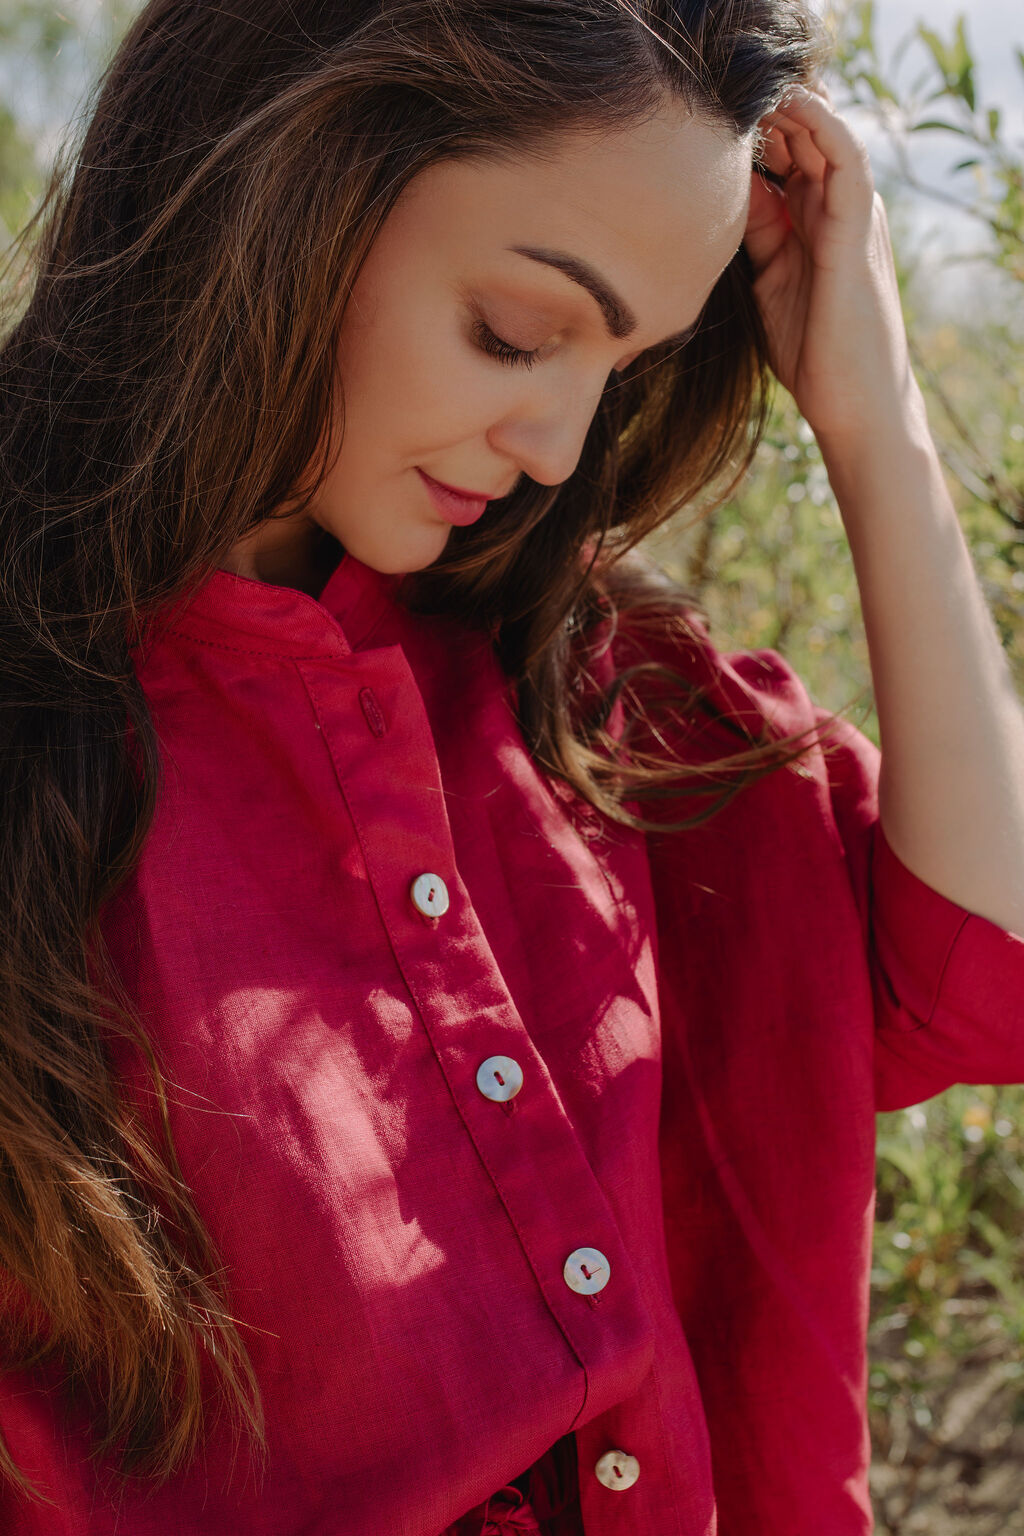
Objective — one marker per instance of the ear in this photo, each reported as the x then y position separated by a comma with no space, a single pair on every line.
768,221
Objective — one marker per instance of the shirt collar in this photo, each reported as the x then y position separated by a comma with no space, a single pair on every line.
242,613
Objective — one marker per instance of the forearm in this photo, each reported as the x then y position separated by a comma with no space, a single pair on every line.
951,793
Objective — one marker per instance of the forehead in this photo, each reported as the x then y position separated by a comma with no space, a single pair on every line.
658,207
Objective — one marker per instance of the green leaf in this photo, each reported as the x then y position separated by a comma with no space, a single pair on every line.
938,50
935,125
876,85
967,165
995,118
954,61
906,1160
964,63
864,39
962,58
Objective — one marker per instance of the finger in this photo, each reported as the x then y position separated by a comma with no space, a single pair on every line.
774,153
825,147
831,135
804,200
803,151
801,147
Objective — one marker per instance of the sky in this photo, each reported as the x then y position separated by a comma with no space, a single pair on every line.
993,26
994,29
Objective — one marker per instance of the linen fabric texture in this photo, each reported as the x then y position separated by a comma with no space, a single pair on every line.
705,1021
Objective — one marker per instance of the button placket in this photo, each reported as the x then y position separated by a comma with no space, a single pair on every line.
399,815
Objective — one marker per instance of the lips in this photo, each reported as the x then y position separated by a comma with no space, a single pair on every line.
456,506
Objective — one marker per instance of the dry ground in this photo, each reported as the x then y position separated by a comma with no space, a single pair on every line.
963,1475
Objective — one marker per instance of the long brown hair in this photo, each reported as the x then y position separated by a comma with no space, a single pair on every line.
164,384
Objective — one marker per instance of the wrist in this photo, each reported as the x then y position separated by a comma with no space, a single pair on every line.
895,480
896,429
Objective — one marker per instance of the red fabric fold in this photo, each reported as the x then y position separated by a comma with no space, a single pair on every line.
502,1514
551,1506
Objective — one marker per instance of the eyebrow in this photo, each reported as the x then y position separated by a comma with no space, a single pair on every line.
619,319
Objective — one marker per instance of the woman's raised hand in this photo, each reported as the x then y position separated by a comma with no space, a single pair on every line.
825,279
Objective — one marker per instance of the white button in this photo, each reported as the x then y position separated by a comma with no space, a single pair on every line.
617,1470
430,895
586,1271
499,1078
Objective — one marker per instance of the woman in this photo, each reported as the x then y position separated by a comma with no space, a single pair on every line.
444,998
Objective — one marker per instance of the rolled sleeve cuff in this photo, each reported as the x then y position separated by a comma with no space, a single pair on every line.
949,987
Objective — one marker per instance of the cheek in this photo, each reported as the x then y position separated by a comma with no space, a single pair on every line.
412,379
392,358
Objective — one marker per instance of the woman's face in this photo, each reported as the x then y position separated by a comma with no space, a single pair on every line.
495,302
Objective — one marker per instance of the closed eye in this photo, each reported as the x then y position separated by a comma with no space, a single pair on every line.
516,357
504,351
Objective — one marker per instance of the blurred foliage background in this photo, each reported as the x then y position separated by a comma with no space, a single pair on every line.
772,568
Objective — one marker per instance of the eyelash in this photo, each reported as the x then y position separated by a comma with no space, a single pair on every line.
504,351
515,357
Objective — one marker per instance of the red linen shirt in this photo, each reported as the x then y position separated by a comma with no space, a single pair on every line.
704,1023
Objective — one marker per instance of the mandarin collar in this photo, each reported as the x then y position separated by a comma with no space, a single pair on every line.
242,613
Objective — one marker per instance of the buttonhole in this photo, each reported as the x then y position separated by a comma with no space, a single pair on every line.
372,711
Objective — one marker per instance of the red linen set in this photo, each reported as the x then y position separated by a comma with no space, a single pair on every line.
560,1157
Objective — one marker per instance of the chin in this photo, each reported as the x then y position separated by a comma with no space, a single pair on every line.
398,556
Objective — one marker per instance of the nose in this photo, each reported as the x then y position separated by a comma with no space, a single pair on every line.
545,434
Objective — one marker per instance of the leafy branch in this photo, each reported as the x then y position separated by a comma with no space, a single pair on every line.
942,97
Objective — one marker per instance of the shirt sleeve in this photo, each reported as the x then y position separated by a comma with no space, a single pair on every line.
948,984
